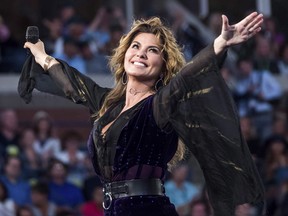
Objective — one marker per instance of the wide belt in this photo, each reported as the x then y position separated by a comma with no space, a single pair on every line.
134,187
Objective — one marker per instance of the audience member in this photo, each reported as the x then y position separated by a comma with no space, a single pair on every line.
41,206
250,135
264,59
46,145
71,54
283,60
32,163
7,206
94,207
9,135
63,193
180,191
95,63
200,207
272,33
256,94
73,157
24,211
18,189
275,156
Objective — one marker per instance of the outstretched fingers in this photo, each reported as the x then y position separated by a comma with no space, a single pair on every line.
248,19
255,23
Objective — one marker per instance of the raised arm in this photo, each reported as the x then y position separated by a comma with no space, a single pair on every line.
198,105
56,77
237,33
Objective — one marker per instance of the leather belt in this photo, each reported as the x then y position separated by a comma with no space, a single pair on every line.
134,187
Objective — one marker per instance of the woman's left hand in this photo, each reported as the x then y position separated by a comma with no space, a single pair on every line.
239,32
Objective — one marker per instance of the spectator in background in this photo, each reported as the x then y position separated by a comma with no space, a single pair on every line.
63,193
275,156
250,135
7,206
282,181
200,207
72,54
256,94
4,31
24,211
73,157
18,190
187,36
179,190
32,164
95,62
98,29
11,54
91,181
9,135
283,60
46,146
94,207
41,206
54,28
272,33
264,59
116,31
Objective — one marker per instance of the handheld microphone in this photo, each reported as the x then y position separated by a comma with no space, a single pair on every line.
32,34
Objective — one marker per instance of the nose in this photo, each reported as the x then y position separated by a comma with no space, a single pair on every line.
141,53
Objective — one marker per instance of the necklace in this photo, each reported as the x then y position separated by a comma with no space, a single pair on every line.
133,91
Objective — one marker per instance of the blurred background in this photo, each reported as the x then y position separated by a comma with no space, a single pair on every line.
44,167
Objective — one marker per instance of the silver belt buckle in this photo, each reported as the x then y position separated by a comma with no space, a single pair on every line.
107,197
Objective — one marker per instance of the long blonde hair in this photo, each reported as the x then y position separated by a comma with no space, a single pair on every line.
173,58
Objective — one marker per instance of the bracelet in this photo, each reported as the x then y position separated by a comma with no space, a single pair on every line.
48,59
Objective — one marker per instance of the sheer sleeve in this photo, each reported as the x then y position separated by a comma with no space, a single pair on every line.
61,80
198,105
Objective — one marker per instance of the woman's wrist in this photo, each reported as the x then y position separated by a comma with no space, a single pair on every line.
46,61
220,45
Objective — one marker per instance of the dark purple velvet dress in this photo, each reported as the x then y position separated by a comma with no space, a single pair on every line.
196,107
134,147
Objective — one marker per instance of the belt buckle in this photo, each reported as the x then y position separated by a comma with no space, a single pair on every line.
107,197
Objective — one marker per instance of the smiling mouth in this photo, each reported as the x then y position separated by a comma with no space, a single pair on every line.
139,64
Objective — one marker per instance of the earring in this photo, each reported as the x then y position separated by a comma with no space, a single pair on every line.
124,78
159,83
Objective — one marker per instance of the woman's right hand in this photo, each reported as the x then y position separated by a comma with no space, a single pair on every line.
38,51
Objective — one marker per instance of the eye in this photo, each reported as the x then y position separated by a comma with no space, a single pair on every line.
135,46
153,50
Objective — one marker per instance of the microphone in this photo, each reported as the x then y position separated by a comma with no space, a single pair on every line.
32,34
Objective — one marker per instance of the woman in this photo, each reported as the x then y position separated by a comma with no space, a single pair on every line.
138,123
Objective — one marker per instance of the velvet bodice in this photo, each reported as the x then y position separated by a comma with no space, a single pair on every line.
134,146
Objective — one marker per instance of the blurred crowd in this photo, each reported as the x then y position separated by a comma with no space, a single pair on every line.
43,173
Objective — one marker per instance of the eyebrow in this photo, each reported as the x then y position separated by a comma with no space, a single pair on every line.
152,46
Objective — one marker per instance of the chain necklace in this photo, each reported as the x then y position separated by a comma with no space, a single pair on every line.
133,91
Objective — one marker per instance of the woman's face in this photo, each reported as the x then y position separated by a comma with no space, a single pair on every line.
144,59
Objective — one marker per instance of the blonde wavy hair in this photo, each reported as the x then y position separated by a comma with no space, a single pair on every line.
173,58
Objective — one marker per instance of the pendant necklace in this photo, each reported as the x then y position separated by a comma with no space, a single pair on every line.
133,91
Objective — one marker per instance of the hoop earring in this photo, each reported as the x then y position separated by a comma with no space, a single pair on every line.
159,84
124,78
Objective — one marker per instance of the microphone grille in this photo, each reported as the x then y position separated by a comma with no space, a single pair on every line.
32,31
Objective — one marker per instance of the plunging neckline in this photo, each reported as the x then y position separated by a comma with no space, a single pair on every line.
118,116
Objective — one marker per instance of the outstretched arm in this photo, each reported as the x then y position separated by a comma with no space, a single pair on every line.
237,33
59,79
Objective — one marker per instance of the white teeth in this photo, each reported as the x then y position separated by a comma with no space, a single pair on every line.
139,63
